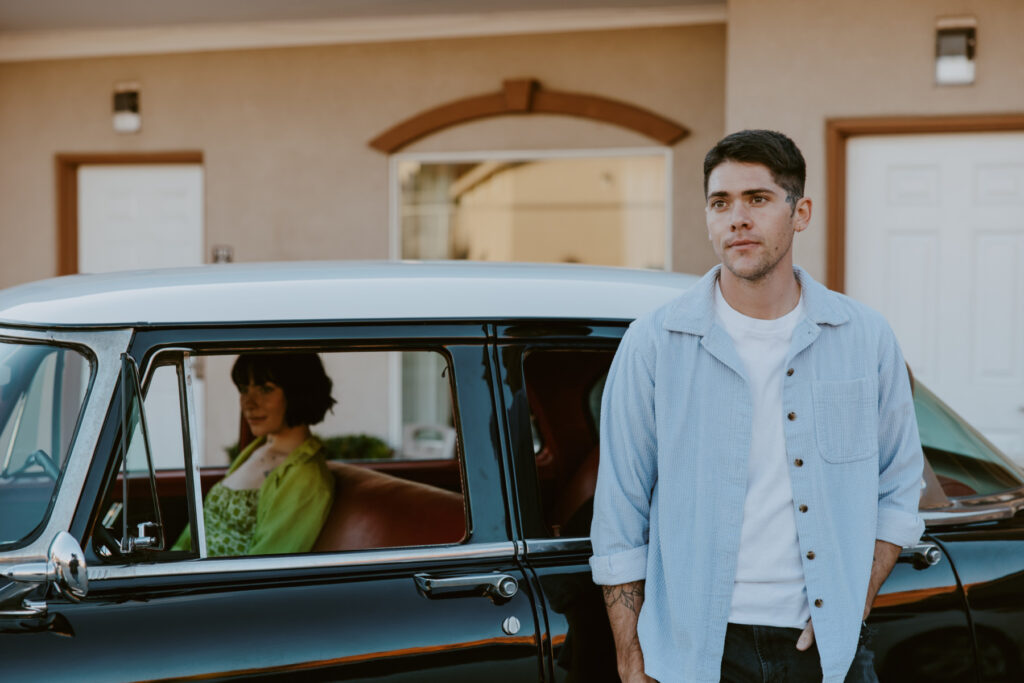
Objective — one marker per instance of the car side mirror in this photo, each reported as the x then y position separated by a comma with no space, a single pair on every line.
65,568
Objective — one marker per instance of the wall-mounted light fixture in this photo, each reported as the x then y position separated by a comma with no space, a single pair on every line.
126,108
955,43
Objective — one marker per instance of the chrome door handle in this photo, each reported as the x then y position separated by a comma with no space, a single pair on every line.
922,555
29,609
495,586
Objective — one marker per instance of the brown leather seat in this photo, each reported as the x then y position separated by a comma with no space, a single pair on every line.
376,510
577,490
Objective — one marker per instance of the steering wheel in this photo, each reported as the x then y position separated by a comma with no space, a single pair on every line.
41,458
105,545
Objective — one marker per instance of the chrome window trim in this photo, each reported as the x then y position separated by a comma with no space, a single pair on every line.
1010,496
559,545
968,515
106,346
187,405
197,567
189,415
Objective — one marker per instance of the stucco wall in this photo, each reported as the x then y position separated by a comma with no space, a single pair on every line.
283,132
793,64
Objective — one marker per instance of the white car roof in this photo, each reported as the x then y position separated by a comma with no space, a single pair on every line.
353,290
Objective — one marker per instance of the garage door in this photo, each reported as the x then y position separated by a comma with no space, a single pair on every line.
935,241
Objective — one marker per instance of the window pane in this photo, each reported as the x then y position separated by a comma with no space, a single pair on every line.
563,387
163,418
599,210
130,526
42,391
393,410
391,405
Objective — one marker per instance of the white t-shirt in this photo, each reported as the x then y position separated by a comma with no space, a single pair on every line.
769,588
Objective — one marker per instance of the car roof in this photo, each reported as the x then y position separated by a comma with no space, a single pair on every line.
340,290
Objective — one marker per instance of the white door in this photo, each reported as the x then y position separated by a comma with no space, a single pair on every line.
935,241
133,216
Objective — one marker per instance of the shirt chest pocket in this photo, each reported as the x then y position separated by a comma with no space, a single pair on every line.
845,420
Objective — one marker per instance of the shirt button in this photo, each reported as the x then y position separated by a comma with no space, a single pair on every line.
789,373
819,602
791,416
810,554
802,508
798,462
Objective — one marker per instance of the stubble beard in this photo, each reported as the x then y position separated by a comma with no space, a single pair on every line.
764,267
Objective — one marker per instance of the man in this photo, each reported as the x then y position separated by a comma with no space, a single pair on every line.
760,461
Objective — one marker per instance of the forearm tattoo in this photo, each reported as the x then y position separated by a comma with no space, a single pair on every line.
630,595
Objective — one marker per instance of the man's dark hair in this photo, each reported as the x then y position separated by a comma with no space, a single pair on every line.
307,388
766,147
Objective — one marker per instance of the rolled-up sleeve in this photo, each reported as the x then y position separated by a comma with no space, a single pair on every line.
900,460
627,471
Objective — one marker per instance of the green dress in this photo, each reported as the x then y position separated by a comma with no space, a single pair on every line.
284,515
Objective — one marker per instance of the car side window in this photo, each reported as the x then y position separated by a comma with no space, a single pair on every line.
131,527
385,467
563,389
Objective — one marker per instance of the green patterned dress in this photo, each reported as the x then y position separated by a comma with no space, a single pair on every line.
230,519
284,515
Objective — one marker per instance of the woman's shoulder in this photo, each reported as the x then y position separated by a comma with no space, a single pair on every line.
309,459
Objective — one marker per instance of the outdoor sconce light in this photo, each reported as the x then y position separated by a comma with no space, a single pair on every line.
126,108
955,42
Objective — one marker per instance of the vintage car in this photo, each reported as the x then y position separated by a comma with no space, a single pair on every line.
466,450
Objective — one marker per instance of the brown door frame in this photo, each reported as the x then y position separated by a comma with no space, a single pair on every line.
838,131
67,193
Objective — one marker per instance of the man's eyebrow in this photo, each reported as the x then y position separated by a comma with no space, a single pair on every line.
745,193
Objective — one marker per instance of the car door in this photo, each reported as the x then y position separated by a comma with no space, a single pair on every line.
450,612
552,377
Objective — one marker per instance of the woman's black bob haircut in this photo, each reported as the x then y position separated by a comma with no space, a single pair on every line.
307,388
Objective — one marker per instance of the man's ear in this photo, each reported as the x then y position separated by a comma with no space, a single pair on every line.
802,214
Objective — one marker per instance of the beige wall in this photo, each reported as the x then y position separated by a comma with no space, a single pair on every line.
792,65
283,131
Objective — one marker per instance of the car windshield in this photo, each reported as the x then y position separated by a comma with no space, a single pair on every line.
42,390
965,462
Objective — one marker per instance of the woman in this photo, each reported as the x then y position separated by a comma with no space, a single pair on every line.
278,491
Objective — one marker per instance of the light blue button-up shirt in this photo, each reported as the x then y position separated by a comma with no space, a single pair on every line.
675,438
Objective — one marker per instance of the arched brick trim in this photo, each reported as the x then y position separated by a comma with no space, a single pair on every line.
525,96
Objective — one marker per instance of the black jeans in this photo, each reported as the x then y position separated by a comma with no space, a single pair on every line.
768,654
